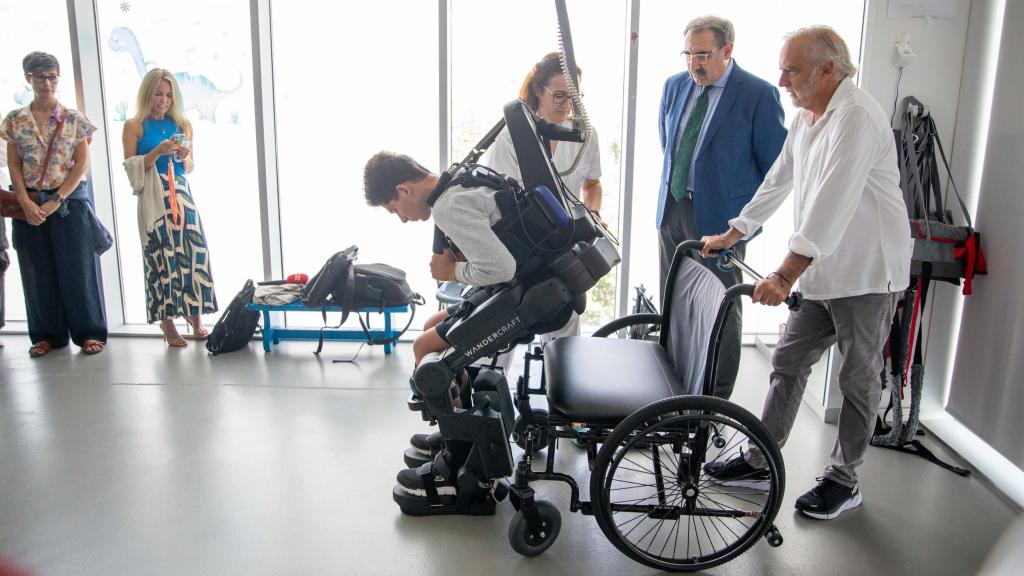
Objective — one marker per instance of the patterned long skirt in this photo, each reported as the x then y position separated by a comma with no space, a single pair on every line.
179,277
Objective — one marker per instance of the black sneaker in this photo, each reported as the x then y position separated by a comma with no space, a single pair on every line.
411,481
828,500
738,473
428,444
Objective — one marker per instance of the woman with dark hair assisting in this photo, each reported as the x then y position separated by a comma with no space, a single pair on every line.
546,92
59,239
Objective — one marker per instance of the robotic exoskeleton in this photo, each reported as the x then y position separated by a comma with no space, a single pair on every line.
642,409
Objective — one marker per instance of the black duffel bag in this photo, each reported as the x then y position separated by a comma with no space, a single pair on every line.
381,286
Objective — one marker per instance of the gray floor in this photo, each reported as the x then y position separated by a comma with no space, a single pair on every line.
144,460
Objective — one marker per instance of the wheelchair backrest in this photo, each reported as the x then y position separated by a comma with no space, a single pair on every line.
688,318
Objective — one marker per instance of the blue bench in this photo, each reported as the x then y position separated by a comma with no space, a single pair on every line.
273,335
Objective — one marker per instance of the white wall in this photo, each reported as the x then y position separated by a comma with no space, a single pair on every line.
986,392
934,78
968,72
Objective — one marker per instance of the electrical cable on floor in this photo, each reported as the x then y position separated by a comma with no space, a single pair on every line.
351,360
896,97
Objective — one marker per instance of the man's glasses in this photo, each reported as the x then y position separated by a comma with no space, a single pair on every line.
559,96
698,57
44,78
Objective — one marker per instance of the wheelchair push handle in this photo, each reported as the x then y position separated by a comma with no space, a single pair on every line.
727,260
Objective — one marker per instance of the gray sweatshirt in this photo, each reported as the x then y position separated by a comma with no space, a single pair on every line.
466,215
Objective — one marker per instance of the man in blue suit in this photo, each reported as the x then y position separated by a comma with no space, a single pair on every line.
721,129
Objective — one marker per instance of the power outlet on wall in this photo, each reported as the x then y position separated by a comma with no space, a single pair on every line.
903,51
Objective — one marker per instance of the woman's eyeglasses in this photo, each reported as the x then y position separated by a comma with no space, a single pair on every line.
44,78
560,96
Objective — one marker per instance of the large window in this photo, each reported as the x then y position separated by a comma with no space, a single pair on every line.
350,80
206,44
42,26
488,70
759,30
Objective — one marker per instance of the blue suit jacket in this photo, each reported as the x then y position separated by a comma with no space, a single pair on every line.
740,144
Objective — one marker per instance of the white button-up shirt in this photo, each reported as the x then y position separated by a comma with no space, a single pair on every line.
848,209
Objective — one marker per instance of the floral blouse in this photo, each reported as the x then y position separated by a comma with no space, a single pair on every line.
30,143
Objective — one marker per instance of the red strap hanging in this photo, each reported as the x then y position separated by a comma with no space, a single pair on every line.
974,260
173,199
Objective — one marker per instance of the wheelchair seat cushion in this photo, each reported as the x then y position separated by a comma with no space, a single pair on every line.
603,380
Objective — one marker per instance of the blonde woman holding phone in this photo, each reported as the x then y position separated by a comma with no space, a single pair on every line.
158,154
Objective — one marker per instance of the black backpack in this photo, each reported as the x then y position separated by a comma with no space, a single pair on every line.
381,286
342,282
236,325
333,282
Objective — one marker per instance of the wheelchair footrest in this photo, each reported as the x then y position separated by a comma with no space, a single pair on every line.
447,505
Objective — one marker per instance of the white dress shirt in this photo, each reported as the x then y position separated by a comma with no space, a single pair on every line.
848,209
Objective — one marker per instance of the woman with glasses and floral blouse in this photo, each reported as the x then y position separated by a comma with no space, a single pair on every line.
546,92
59,240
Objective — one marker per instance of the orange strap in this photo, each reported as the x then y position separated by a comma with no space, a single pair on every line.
175,214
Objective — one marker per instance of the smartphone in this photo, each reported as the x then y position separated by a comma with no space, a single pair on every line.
180,140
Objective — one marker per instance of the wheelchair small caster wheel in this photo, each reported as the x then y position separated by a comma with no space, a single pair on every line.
774,537
526,542
500,490
540,440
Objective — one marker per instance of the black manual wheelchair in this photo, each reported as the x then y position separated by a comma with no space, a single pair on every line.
645,413
644,410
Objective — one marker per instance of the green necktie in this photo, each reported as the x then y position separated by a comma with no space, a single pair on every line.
684,154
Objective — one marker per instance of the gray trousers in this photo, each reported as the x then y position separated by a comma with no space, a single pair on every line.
678,226
858,326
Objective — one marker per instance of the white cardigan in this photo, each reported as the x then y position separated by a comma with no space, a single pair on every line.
147,186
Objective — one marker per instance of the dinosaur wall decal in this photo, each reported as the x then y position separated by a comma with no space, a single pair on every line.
197,91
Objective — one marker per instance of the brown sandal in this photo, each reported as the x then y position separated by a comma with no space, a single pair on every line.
91,347
196,328
40,349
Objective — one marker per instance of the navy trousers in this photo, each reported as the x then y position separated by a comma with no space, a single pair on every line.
60,273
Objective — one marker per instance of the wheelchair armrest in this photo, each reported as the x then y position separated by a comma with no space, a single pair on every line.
626,322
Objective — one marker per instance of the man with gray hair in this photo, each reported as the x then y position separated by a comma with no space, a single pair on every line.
721,129
851,251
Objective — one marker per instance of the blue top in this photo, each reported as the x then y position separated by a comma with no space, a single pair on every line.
153,133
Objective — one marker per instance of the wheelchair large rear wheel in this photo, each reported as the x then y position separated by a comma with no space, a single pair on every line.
654,499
